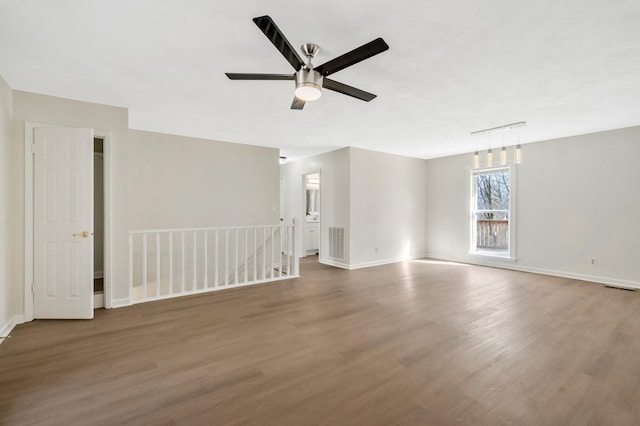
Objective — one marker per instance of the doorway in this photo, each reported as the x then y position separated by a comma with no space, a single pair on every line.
98,222
311,214
33,257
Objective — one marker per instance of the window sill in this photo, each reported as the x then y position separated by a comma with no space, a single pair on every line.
493,255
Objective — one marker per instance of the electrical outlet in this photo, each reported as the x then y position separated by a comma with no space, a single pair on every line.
593,261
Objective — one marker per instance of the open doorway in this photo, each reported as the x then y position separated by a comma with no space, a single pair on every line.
98,222
312,216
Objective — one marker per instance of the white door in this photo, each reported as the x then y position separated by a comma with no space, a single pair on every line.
63,223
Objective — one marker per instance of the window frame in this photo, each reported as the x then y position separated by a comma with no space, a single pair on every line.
473,250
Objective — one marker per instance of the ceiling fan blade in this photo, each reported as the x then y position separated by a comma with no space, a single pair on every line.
249,76
297,103
356,55
336,86
273,33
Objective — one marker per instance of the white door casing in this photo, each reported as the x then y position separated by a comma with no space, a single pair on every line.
63,223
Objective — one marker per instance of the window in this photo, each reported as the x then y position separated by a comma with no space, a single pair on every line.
491,212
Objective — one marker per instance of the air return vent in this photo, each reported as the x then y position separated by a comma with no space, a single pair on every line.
336,243
615,287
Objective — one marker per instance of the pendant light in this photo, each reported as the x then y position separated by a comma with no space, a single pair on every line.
503,150
503,153
476,157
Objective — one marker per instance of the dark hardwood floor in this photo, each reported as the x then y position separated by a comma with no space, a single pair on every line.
410,343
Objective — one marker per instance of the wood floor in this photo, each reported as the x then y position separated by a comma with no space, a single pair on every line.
411,343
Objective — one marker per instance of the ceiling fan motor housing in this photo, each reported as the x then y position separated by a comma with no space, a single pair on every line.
308,84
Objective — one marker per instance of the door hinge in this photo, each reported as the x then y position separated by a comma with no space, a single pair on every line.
33,148
33,287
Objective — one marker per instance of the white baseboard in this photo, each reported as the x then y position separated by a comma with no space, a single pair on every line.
382,262
352,266
333,262
5,329
121,303
582,277
98,274
543,271
98,300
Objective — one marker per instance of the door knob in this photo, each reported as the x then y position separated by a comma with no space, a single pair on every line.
83,234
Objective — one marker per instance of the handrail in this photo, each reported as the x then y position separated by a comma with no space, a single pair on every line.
217,228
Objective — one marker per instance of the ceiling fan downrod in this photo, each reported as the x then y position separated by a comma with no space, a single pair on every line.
310,50
308,80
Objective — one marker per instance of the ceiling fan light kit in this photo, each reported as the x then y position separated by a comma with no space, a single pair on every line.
310,81
308,85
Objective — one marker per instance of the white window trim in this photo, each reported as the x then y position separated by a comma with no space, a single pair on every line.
511,256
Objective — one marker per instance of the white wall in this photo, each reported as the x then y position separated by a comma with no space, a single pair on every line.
66,112
388,207
180,182
576,198
378,198
9,265
334,197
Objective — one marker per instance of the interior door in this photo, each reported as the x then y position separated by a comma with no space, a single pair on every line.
63,223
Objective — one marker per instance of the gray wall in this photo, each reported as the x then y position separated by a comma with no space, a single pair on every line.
153,178
10,264
388,207
575,198
44,109
181,182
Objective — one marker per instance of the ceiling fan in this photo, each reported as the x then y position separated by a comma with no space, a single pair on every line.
309,79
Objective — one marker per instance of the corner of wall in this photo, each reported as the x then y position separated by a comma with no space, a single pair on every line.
10,284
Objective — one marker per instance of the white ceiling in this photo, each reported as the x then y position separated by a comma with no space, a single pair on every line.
566,67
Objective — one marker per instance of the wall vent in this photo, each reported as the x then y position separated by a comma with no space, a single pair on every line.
615,287
336,243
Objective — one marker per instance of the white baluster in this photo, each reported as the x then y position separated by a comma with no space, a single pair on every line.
264,253
273,254
296,260
130,264
183,262
194,284
216,279
288,239
246,252
281,251
144,266
170,262
255,254
226,257
157,264
236,271
206,261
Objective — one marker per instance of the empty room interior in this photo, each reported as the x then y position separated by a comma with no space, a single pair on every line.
358,213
